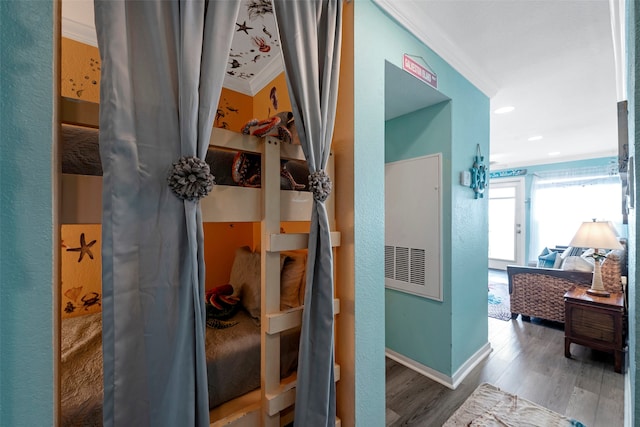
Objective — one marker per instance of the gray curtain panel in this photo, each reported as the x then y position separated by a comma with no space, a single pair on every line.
163,64
310,34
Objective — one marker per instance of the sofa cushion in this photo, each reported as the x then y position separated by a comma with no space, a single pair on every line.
576,263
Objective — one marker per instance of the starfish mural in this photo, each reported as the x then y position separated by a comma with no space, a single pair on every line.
85,248
243,27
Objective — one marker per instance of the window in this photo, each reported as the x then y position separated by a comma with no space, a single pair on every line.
562,200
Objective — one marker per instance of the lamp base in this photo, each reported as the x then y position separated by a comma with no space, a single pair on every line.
598,293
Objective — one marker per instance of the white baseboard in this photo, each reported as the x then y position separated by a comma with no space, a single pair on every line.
448,381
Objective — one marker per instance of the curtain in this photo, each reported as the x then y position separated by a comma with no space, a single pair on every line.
163,64
310,34
561,200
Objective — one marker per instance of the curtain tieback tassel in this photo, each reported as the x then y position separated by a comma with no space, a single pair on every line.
320,185
190,178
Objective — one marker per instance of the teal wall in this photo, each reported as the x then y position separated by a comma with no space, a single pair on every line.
26,226
551,167
633,97
446,333
413,323
368,191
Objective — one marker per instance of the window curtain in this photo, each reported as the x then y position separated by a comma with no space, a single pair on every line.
561,200
310,34
163,64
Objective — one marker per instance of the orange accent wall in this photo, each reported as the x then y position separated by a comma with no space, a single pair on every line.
234,110
80,71
264,106
81,270
223,238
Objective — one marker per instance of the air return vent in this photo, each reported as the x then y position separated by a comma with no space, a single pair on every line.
389,264
413,226
402,264
417,267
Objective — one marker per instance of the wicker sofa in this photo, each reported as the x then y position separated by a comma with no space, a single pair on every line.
539,292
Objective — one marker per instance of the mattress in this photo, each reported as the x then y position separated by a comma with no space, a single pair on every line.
233,358
81,371
81,156
233,364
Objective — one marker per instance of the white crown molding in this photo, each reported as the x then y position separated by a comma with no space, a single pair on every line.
79,32
267,74
254,85
617,15
430,33
237,85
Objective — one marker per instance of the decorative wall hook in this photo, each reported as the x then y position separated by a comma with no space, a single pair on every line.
478,174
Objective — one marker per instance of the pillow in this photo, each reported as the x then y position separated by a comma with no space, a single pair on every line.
576,263
292,279
547,258
570,251
587,256
245,279
558,262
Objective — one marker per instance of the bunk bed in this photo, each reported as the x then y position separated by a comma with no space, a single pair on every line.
277,333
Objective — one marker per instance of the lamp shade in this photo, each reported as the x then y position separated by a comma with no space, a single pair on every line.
597,235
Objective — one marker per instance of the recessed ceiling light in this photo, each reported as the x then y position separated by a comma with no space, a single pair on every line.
535,138
503,110
554,153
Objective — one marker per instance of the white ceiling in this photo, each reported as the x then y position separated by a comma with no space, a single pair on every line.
555,61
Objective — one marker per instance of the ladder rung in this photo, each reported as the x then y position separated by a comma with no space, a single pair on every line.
289,319
292,241
285,395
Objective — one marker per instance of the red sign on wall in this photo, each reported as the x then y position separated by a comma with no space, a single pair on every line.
420,71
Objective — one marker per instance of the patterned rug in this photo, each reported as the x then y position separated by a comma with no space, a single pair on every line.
499,304
488,406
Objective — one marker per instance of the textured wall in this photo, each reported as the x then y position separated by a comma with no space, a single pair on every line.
79,70
464,309
425,321
26,225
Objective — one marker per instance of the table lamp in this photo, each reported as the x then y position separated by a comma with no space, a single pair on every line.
596,235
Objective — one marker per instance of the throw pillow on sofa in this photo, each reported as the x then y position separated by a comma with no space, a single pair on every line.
549,259
576,263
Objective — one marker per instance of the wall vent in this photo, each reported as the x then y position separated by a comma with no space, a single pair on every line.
404,264
417,266
413,226
389,264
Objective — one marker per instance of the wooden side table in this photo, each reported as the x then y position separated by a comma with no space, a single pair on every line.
595,322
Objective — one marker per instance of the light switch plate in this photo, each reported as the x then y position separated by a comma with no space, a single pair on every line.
465,178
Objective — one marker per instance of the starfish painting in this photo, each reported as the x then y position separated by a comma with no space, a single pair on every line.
85,248
243,27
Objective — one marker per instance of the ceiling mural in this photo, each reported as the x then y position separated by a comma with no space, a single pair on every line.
255,43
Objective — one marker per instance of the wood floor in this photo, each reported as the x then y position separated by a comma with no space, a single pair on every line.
527,360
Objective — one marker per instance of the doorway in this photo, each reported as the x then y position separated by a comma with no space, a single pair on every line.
506,223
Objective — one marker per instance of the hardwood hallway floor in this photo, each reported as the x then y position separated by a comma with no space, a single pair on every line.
527,360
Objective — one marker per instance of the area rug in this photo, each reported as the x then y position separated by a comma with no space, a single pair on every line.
488,406
499,304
